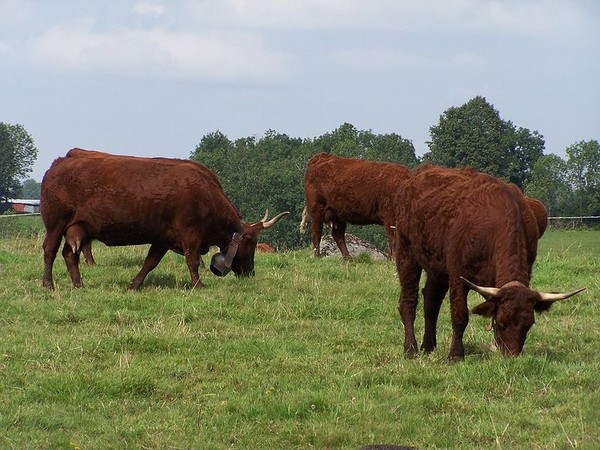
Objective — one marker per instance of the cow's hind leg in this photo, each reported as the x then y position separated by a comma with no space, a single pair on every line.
51,245
339,236
72,261
433,294
409,274
155,254
86,249
390,232
316,231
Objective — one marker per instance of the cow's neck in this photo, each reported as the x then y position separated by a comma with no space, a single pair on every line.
225,233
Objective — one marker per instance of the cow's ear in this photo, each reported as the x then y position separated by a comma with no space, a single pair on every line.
485,309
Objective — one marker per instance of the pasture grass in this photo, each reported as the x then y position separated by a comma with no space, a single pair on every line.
307,354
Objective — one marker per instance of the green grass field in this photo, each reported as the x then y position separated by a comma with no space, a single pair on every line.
307,354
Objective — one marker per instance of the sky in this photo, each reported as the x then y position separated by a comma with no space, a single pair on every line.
151,78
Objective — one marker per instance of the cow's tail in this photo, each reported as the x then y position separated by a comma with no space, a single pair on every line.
304,220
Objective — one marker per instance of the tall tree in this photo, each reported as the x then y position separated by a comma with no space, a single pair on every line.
583,167
548,183
475,135
349,142
343,141
17,155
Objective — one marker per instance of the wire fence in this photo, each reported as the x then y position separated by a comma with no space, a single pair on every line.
574,222
8,216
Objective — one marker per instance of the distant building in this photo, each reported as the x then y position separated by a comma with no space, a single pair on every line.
24,205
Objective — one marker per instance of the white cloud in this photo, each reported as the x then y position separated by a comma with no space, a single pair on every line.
148,9
235,40
214,56
12,11
521,16
530,17
372,59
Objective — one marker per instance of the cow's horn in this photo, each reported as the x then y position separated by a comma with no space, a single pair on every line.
266,216
553,297
274,220
480,289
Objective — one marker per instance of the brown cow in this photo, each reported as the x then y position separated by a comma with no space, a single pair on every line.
171,204
461,223
344,190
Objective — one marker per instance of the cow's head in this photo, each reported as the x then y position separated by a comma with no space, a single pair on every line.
512,310
239,255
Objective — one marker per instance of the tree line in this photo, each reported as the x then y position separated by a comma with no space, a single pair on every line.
267,172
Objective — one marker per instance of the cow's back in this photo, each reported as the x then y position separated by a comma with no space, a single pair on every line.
540,212
534,218
127,197
356,190
460,219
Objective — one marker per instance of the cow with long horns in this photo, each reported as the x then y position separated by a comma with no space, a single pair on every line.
468,230
171,204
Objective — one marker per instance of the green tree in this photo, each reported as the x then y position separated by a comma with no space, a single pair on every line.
268,172
343,141
583,168
475,135
548,183
17,155
349,142
213,151
30,189
257,175
392,147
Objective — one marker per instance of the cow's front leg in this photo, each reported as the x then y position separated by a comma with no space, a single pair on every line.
459,313
193,260
155,254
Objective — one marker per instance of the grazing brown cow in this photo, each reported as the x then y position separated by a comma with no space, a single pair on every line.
467,230
171,204
344,190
